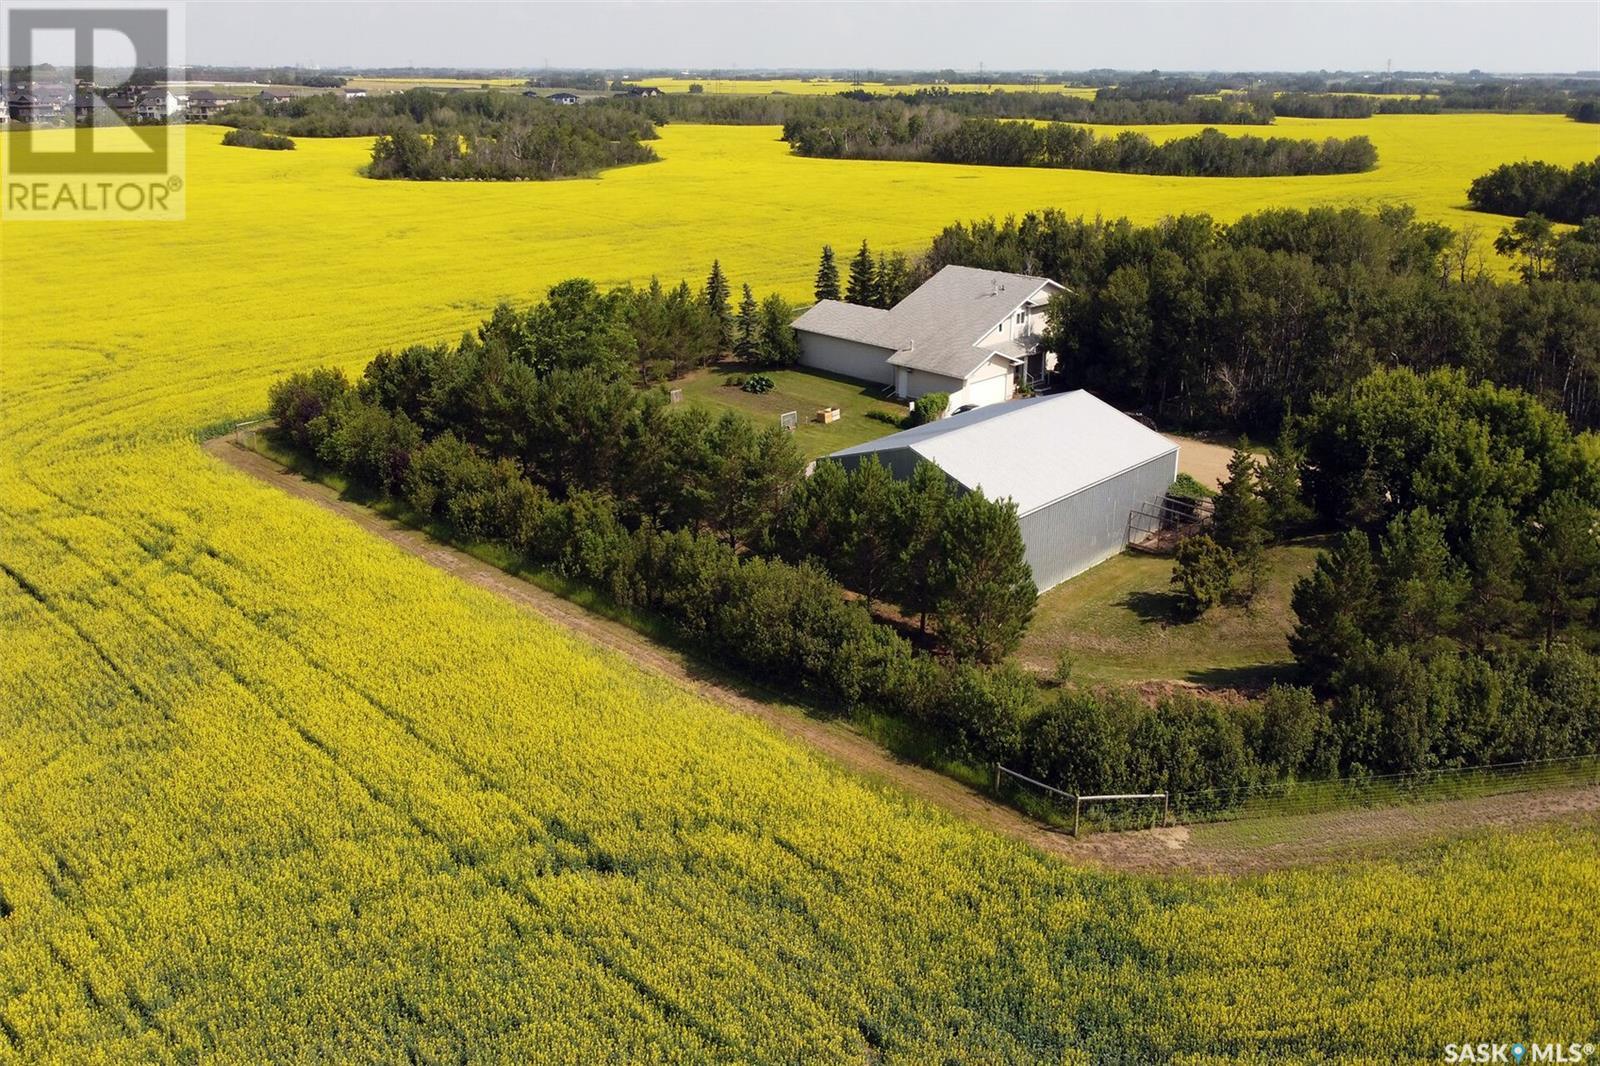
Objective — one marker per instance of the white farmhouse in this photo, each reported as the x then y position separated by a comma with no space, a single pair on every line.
974,334
1075,466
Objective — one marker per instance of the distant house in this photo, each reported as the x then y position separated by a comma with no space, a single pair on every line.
204,104
1075,466
88,109
267,97
158,105
640,90
561,98
125,98
354,94
36,105
973,334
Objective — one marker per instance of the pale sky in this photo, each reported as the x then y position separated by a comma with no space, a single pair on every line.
1520,36
1531,36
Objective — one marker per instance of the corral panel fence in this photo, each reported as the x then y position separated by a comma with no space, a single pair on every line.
1138,810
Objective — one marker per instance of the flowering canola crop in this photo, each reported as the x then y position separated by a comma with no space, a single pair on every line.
270,789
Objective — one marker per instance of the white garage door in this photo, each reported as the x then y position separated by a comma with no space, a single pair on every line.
989,390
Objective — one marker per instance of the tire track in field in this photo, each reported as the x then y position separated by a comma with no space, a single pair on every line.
654,1000
842,744
1314,838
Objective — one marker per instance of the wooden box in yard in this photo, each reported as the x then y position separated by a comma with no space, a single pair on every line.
827,414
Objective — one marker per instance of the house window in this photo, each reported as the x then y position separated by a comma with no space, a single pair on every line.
1022,316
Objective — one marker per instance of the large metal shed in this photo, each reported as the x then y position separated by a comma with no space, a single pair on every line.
1074,465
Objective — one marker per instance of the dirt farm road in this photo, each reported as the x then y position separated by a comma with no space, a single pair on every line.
1201,849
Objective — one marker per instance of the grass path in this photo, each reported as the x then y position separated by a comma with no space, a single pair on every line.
1229,848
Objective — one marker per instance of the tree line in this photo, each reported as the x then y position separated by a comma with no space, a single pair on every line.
244,138
1454,623
871,282
1456,620
1231,326
647,335
1106,107
530,432
935,135
424,135
1558,193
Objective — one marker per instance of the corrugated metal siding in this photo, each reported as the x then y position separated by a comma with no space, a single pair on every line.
1069,536
849,358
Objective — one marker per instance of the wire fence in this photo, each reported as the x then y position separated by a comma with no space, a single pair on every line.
1058,800
1069,810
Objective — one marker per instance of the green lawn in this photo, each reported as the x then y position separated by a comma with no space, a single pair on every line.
1120,623
802,391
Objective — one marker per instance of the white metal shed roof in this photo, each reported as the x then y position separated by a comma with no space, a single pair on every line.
1034,451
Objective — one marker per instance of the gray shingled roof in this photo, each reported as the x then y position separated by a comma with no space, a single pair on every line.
940,327
852,322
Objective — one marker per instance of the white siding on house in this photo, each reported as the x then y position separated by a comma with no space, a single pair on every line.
920,383
991,383
986,391
851,359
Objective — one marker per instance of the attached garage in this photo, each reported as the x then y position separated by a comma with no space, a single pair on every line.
976,335
1074,466
996,388
851,359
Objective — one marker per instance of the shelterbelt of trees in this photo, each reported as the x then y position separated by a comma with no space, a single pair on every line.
1202,324
532,433
1454,625
935,135
1557,193
425,135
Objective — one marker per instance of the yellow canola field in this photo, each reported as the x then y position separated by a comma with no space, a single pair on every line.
271,790
821,87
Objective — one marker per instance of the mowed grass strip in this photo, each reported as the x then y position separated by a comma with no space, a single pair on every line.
803,392
1120,622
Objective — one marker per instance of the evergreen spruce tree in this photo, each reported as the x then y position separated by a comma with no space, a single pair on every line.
988,591
1240,525
863,284
920,536
827,275
716,295
1563,568
876,501
747,342
892,279
1339,616
1420,581
1494,610
1279,486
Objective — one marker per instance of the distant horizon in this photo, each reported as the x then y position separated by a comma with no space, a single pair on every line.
997,75
1533,37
